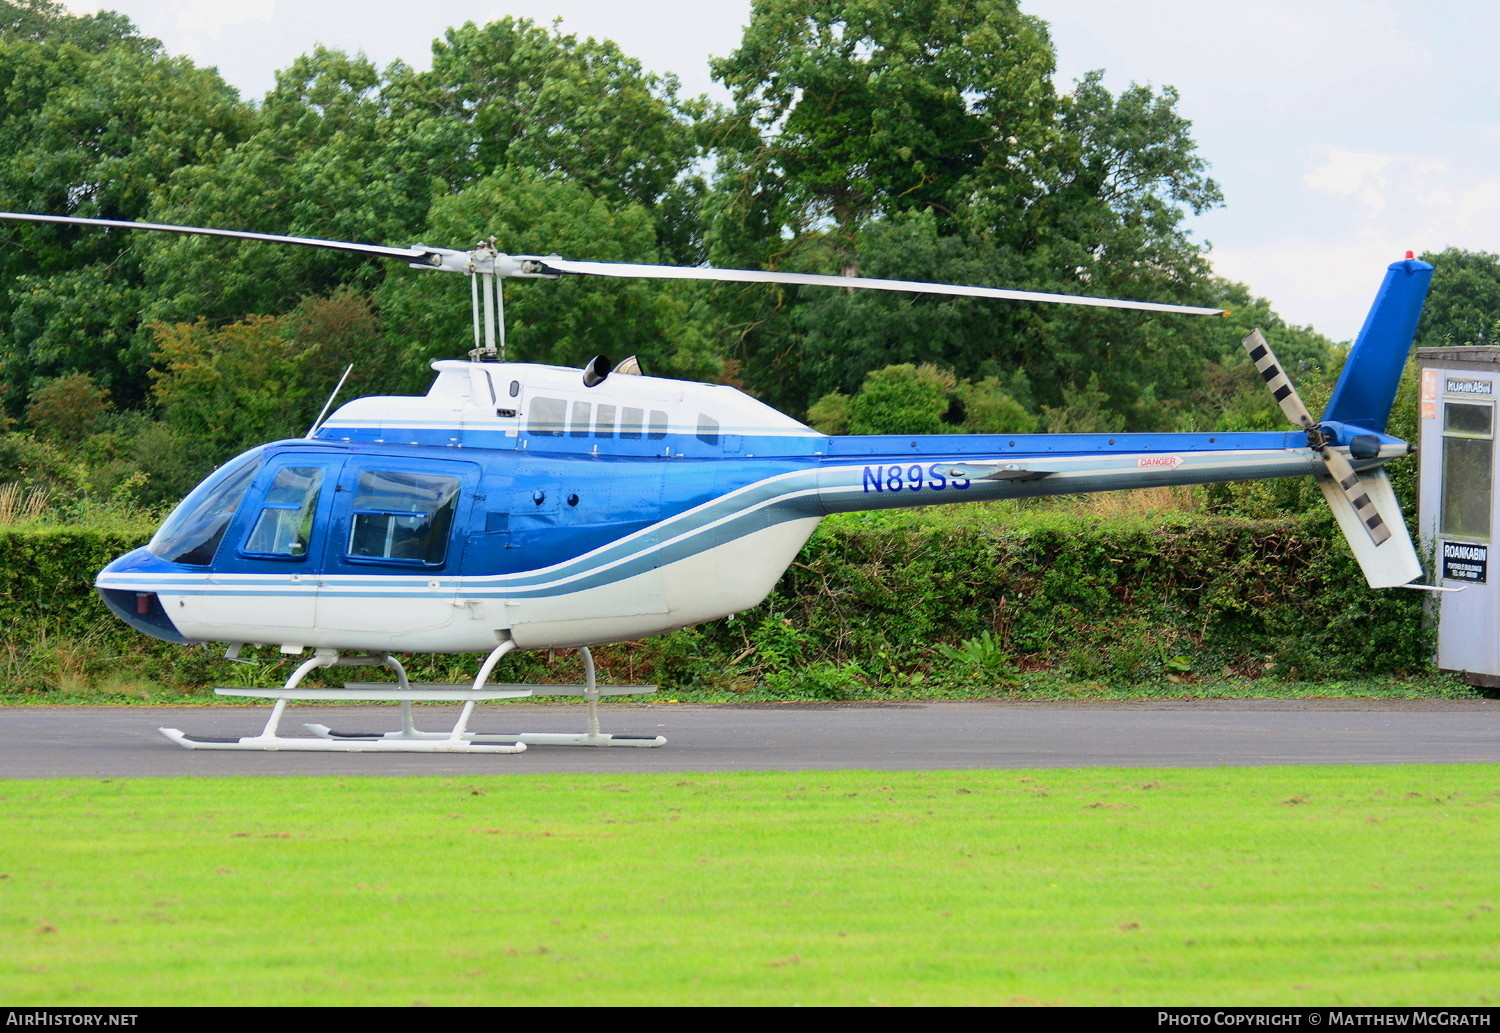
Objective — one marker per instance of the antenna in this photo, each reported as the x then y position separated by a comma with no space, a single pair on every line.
329,404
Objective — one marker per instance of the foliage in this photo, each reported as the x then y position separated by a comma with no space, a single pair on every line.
901,399
48,571
1123,602
68,408
511,94
926,140
830,414
908,399
31,462
1463,304
982,662
327,158
93,121
231,387
46,21
853,109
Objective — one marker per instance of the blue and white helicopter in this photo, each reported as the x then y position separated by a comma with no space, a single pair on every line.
521,506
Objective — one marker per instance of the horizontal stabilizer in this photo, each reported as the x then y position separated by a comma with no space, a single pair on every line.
1393,561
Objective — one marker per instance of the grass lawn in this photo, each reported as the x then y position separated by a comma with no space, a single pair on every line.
1292,886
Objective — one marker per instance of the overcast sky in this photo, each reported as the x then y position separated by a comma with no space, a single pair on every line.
1343,132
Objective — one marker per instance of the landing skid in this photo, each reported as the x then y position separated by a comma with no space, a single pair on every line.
408,738
481,738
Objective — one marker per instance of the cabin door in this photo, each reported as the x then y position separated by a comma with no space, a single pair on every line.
265,580
395,545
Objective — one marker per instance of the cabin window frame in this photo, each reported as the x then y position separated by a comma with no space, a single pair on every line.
436,532
1465,508
306,504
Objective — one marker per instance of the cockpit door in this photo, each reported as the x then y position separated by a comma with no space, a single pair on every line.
266,574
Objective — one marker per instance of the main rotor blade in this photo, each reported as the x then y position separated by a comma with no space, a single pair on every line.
668,272
487,260
408,253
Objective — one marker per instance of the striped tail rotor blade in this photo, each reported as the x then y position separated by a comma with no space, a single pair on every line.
1354,491
1277,380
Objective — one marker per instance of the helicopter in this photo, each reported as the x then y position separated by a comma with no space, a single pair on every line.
524,506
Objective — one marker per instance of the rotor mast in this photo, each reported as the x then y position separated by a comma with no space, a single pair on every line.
488,303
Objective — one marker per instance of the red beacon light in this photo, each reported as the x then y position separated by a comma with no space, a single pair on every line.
1410,255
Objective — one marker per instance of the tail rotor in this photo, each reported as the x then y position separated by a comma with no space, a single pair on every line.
1345,477
1363,503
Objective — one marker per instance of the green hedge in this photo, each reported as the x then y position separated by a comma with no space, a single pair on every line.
47,573
1117,600
896,600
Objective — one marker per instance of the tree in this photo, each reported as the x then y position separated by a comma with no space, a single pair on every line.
840,335
925,399
229,388
848,110
327,159
512,94
44,21
925,141
342,151
67,409
1463,304
902,399
93,121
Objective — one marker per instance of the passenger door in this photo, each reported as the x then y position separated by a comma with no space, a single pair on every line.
395,544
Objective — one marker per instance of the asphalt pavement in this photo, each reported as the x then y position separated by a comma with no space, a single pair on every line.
110,742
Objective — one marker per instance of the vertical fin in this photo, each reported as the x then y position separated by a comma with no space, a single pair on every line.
1367,386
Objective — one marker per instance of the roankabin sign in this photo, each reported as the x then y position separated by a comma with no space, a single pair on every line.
1465,561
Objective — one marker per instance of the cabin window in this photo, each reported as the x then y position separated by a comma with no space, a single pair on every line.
549,417
579,426
515,388
708,430
631,422
1468,469
658,425
193,532
284,527
604,424
402,517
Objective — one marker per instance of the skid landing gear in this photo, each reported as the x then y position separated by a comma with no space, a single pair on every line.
408,738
